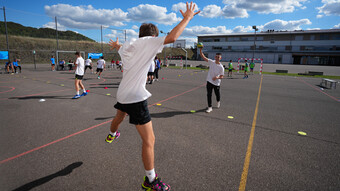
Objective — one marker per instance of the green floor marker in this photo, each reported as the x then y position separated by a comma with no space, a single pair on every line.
62,85
302,133
108,94
192,111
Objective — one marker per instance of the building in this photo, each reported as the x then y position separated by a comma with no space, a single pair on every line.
315,47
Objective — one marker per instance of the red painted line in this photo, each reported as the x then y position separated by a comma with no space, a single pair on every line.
82,131
56,141
11,89
179,94
319,90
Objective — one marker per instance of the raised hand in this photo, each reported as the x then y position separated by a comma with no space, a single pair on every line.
114,44
190,12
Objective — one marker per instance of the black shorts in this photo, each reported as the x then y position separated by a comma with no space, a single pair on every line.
230,70
88,67
138,112
79,77
151,73
99,69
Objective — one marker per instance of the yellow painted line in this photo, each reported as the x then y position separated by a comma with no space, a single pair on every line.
243,181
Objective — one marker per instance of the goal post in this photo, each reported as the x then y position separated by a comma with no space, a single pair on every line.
249,59
67,51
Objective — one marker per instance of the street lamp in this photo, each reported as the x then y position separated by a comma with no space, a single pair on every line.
256,29
166,33
3,8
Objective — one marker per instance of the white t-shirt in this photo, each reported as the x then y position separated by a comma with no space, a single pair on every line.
80,66
214,71
88,62
137,56
152,66
100,63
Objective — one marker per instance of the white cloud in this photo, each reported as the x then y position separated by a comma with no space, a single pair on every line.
231,12
130,34
336,26
266,6
152,13
285,25
242,29
330,7
319,16
51,25
211,11
182,6
86,17
135,27
199,30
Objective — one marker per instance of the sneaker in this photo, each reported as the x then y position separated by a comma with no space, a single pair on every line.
110,138
209,110
84,94
156,185
76,97
218,104
98,77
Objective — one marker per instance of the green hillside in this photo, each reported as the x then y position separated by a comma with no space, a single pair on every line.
16,29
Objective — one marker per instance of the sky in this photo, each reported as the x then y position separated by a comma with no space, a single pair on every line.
123,17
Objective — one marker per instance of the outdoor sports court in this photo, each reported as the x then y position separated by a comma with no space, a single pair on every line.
250,143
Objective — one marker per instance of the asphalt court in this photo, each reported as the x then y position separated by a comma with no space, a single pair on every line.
58,144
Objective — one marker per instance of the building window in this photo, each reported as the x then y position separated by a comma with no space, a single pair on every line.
324,37
207,40
300,37
217,48
217,40
259,38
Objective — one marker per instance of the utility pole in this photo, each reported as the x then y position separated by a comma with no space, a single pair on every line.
3,8
101,36
56,31
125,35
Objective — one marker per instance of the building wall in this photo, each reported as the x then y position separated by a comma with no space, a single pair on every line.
320,47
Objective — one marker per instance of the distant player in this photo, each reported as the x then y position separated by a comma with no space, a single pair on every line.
252,66
230,68
215,74
88,64
8,66
246,68
52,63
100,66
132,96
80,67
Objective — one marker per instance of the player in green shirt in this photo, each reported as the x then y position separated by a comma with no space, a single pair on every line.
246,68
230,68
252,66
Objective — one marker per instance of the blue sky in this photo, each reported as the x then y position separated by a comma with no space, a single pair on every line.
217,16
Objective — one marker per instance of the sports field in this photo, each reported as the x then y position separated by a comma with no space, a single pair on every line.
51,142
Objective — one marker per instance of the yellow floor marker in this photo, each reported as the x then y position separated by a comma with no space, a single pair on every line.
158,104
108,94
62,85
230,117
302,133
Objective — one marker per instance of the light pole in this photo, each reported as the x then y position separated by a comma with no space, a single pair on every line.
164,48
256,29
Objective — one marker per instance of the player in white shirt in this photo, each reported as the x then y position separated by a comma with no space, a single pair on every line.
88,64
151,72
215,74
100,66
132,95
80,66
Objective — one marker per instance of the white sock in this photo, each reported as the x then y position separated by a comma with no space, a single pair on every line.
77,92
113,134
84,90
151,175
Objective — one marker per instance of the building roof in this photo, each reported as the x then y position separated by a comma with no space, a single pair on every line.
272,32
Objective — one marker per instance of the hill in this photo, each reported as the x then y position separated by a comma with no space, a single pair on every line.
16,29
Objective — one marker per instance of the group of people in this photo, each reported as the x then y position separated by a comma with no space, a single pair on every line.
13,66
116,64
246,68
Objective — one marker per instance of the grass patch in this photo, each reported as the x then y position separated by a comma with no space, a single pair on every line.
270,73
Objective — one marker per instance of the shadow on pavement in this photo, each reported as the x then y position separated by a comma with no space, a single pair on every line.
168,114
67,170
43,97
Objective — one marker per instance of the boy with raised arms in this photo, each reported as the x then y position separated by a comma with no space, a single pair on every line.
132,95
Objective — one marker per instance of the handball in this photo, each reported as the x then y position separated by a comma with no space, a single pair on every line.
199,45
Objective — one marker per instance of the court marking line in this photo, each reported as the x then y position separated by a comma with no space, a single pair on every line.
11,89
244,175
84,130
332,97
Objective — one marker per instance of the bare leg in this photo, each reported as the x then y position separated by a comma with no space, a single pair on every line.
81,84
120,116
77,85
148,138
